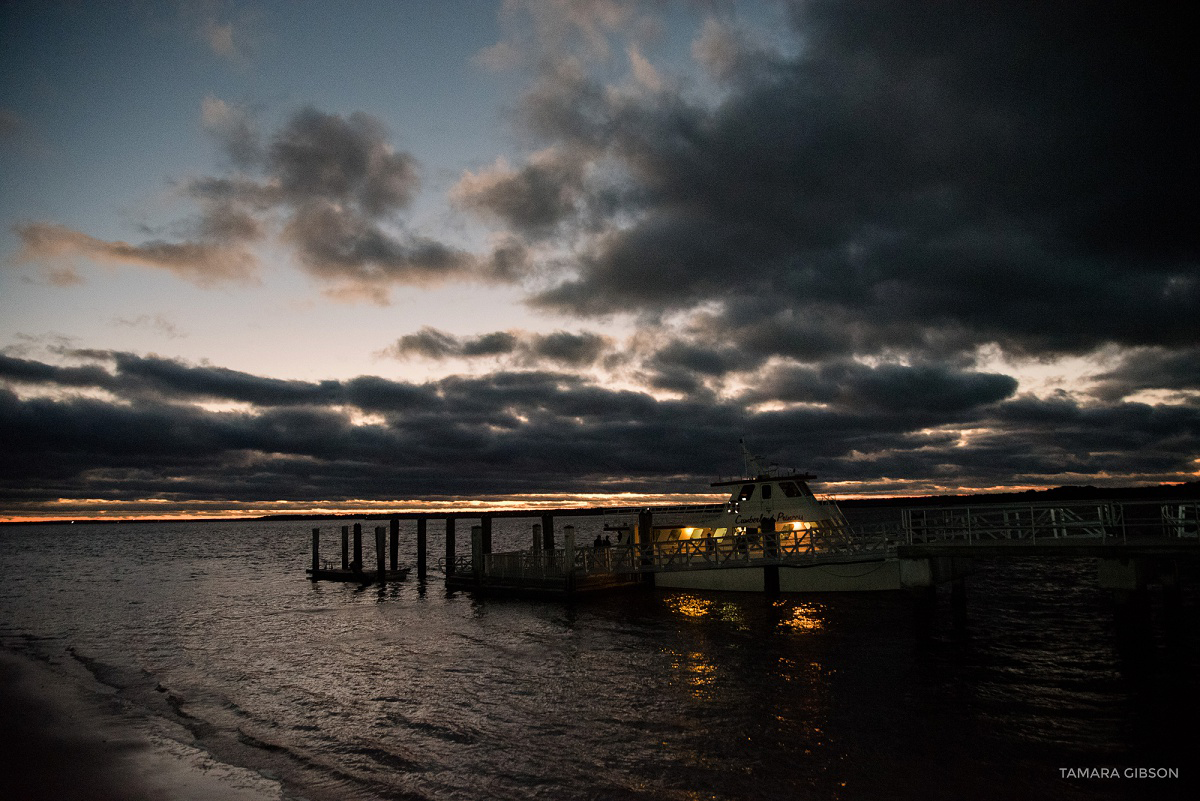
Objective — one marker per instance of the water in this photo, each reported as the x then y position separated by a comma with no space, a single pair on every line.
410,692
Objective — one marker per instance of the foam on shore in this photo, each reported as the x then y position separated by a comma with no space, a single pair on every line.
64,740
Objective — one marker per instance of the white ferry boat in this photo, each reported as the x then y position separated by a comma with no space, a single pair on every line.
773,534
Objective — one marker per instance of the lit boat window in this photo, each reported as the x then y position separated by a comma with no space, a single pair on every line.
747,492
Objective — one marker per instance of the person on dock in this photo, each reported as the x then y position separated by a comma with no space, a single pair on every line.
598,543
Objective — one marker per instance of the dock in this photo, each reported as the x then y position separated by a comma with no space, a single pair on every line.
1134,542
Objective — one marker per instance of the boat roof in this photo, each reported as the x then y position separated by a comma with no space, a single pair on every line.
764,478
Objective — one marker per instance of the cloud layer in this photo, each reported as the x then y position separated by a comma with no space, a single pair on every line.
893,179
120,426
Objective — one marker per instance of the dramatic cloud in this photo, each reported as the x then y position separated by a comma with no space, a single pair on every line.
956,174
916,428
340,186
561,347
330,187
1152,369
533,200
867,239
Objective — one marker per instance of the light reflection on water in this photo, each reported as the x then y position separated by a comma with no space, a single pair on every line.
410,691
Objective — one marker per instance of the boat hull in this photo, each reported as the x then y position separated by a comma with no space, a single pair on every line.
874,575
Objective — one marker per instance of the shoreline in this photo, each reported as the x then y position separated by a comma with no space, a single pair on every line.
61,739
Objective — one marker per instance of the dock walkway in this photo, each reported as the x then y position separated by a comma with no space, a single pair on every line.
1113,531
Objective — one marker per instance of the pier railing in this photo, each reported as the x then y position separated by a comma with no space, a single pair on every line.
1110,521
834,541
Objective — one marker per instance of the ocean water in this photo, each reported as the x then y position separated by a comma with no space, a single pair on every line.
412,692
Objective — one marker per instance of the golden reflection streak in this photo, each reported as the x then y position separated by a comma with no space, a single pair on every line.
803,617
689,605
697,672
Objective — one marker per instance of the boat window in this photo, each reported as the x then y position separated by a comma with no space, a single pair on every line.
790,489
766,493
747,492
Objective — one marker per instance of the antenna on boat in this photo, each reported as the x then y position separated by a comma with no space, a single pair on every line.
753,467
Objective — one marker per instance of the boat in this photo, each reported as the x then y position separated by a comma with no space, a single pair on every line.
773,534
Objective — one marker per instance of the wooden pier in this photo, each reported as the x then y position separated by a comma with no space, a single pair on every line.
1133,542
355,571
550,569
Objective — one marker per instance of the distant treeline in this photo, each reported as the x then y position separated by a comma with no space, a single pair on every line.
1189,490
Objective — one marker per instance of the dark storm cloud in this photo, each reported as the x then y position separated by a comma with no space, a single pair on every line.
561,347
132,376
887,388
540,432
532,200
27,371
348,159
341,187
960,174
566,348
1151,368
703,359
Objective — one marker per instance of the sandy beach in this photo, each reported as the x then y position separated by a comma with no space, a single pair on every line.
66,737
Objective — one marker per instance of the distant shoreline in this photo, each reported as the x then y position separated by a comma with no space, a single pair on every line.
1189,490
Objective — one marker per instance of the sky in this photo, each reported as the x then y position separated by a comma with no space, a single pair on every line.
264,257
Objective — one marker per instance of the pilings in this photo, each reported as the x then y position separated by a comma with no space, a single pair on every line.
477,553
450,552
345,547
548,532
380,535
421,548
358,562
316,551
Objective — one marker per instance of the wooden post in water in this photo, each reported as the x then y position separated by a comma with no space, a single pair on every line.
548,532
421,548
380,537
395,544
450,546
345,547
770,538
569,557
477,552
358,546
316,552
485,523
537,537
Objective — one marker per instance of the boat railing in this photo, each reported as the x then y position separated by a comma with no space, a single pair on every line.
829,541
